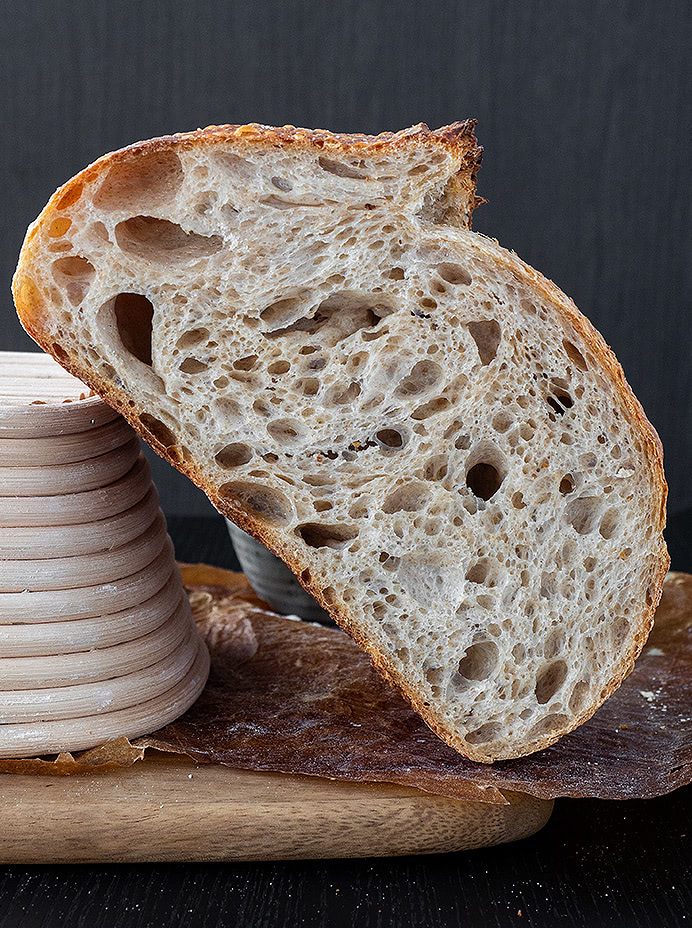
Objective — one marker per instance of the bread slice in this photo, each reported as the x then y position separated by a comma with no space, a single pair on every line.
439,445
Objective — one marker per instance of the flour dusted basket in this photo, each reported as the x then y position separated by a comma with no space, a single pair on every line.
96,635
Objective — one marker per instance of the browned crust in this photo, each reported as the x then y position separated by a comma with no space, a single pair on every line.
459,139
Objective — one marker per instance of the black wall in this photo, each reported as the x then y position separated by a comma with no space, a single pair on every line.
584,109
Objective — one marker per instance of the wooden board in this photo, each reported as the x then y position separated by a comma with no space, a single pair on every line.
168,809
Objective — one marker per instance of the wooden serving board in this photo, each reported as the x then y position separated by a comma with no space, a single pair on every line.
167,808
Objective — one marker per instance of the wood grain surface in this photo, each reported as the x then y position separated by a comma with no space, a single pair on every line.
168,809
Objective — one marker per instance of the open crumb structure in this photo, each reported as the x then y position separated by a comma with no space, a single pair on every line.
428,432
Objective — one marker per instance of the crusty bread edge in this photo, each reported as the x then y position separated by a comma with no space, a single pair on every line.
458,138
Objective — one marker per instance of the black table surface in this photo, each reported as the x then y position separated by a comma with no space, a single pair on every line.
596,863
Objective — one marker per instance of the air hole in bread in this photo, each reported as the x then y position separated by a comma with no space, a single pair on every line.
74,275
462,442
247,363
434,675
58,246
396,273
436,467
369,336
479,661
549,723
487,335
261,406
575,355
317,535
309,386
234,164
609,523
485,470
59,227
424,376
560,403
411,497
477,573
554,644
193,366
260,502
502,421
70,196
192,338
279,202
150,177
566,484
227,411
484,480
431,408
233,455
454,274
485,733
157,431
526,431
285,431
340,169
336,318
133,314
282,310
206,201
619,630
583,513
164,242
519,653
279,367
550,680
281,183
518,500
578,697
340,395
390,438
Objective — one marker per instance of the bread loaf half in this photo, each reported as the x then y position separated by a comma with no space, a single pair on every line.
429,433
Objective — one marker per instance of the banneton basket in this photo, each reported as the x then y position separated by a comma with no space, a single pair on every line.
96,635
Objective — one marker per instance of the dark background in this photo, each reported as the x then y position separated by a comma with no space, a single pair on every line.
584,111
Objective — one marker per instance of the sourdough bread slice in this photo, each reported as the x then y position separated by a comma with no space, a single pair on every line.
428,432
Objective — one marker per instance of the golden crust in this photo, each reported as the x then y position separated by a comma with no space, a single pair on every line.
458,138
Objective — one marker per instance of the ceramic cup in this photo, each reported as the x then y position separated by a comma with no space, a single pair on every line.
272,580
